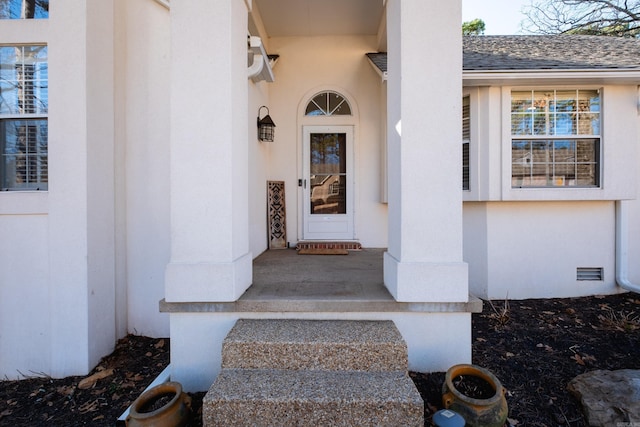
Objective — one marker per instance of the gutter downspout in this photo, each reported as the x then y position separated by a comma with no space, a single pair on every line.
622,248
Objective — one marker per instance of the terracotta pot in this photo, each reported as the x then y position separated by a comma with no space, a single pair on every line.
174,413
483,412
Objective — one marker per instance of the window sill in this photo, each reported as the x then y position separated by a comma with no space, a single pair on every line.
24,203
562,194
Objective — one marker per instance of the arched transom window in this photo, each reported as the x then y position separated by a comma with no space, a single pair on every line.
328,104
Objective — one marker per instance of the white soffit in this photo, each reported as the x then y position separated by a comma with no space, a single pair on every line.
284,18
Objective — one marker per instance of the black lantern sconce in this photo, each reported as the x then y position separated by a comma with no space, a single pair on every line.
265,126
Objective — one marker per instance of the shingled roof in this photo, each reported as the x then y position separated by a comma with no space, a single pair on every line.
559,52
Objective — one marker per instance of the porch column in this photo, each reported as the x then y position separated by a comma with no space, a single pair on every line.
424,258
210,259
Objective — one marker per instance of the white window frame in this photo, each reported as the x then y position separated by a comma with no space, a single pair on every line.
36,113
551,133
322,105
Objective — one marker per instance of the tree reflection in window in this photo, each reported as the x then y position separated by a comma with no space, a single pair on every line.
24,102
24,9
555,138
328,169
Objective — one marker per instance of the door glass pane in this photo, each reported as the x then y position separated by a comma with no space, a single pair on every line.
328,167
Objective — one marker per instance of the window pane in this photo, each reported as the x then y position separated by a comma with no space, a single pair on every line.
328,153
24,9
338,106
24,80
586,175
328,194
521,124
555,163
521,102
520,162
541,123
317,106
313,110
589,113
588,161
542,115
328,104
23,147
564,107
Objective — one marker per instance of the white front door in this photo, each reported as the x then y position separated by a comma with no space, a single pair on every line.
328,183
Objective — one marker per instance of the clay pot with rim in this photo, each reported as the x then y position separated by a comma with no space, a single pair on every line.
164,405
491,411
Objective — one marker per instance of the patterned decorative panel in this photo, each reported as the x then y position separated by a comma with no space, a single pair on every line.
277,216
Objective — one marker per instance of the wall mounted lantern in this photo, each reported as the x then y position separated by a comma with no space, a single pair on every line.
265,126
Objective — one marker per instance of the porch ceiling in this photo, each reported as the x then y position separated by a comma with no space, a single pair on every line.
283,18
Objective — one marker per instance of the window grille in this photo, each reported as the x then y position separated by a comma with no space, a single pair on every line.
555,138
328,103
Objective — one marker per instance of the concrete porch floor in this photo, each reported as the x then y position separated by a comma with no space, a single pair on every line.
284,274
284,281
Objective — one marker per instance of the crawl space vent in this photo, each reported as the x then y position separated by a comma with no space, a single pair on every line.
590,273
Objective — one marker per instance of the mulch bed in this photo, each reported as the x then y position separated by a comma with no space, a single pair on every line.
534,347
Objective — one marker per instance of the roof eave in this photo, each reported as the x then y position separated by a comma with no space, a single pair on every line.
505,77
383,74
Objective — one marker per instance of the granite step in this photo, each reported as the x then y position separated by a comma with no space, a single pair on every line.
334,345
313,373
270,397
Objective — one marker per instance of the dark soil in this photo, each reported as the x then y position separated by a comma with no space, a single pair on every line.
473,387
156,403
533,347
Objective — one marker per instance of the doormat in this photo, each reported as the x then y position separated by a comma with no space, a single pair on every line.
351,245
323,251
327,248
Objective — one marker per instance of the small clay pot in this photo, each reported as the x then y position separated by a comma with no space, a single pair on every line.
164,405
491,411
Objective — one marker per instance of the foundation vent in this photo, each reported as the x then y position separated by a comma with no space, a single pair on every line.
590,273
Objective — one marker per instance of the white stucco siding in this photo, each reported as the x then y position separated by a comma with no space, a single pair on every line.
144,63
65,237
309,65
633,261
101,198
259,155
435,341
68,187
24,294
25,331
475,247
496,234
209,139
533,249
